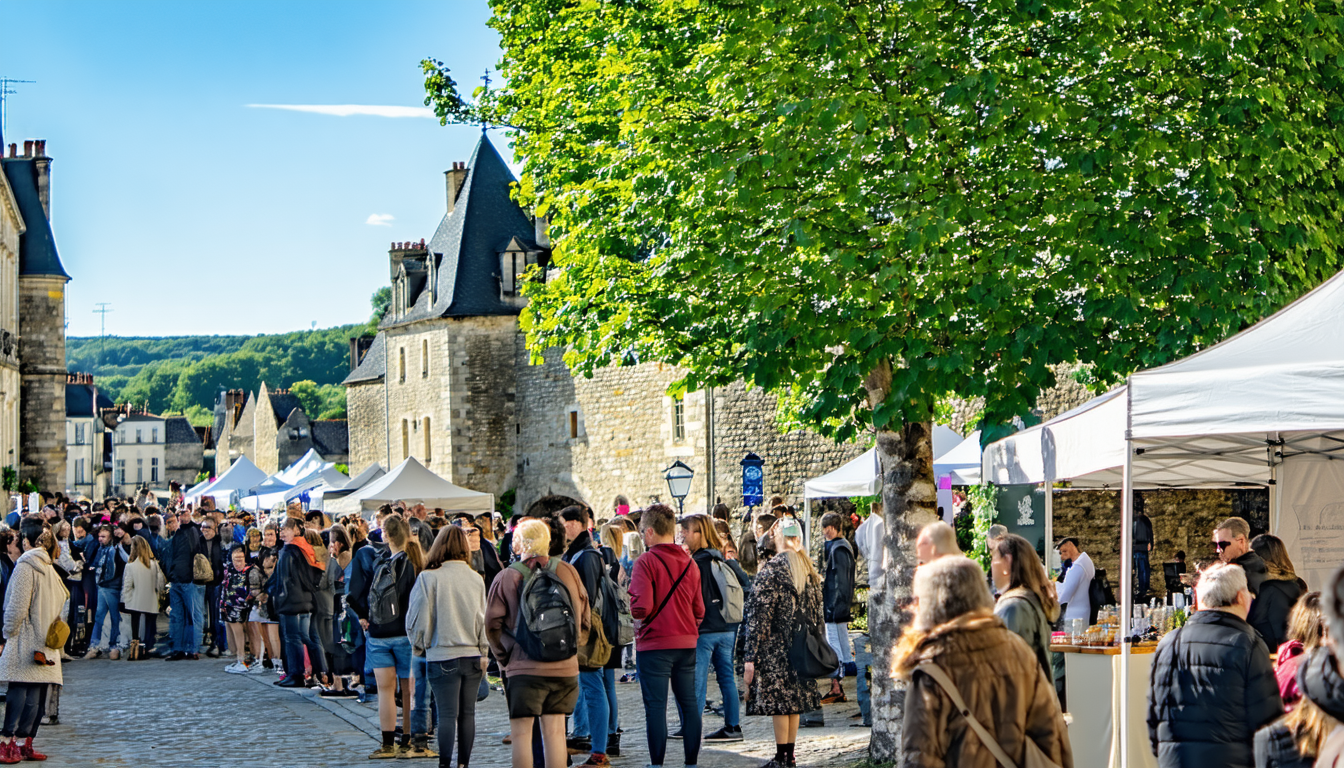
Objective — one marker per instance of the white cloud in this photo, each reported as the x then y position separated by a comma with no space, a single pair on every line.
379,219
346,110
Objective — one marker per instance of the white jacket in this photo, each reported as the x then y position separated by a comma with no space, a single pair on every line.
33,602
141,585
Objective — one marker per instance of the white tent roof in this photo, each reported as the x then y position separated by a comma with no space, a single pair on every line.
308,465
242,475
370,473
961,462
860,477
413,482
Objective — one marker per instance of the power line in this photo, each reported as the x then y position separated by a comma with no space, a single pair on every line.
102,308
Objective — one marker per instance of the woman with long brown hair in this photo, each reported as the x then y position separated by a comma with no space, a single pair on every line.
1279,592
718,629
1026,603
140,588
389,649
1296,738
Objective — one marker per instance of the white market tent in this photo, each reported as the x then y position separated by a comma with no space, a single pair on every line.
241,477
1263,408
961,462
412,482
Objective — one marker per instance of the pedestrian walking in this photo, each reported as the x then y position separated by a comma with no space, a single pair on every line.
785,585
1212,686
975,689
723,589
142,583
1279,592
445,622
28,664
541,678
384,619
1026,604
109,566
837,597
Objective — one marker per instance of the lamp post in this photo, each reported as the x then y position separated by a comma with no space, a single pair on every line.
678,477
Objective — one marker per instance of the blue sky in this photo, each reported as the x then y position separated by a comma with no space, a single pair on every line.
191,212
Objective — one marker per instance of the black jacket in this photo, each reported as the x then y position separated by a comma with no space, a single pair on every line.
295,582
489,566
1269,612
183,547
713,621
406,576
837,589
1320,681
1211,688
215,552
361,574
1256,571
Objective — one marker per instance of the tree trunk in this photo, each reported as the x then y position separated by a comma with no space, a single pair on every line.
909,501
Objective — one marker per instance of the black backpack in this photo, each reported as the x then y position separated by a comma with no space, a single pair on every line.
547,628
384,602
617,624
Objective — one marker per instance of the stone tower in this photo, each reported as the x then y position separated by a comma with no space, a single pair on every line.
42,280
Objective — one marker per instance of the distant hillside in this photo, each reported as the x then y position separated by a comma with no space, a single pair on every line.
181,374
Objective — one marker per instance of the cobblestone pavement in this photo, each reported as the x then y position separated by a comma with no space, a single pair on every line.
177,714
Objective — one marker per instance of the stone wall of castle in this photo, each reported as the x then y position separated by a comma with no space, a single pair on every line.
482,430
368,428
42,450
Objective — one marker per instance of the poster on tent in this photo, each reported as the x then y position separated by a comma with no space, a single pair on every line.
1311,516
1021,508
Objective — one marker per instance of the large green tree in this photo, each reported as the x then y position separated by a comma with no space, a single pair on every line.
872,205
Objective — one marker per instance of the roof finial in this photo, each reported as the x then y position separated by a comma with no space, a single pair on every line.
484,90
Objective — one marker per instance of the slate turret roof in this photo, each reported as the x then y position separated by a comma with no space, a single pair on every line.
37,246
373,366
331,437
177,430
79,401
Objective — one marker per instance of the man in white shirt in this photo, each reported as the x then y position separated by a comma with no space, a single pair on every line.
1077,579
871,540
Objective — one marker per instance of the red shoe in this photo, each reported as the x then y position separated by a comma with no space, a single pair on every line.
9,753
28,753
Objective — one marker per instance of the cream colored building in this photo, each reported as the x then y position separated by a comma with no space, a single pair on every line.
11,227
139,454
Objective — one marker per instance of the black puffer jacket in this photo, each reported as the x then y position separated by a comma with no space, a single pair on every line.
1269,612
295,582
1275,747
1319,680
1211,688
837,587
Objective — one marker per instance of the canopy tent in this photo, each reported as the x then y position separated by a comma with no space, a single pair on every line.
241,477
308,465
961,462
1264,407
351,484
861,476
285,484
412,482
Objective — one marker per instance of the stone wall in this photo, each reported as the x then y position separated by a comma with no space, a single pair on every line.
265,446
368,428
1182,520
42,454
184,462
481,427
290,449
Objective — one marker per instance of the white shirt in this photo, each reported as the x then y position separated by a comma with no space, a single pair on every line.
870,537
1074,589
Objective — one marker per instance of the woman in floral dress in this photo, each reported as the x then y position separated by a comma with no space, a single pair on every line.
241,580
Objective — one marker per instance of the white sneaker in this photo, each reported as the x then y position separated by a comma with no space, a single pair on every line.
279,669
237,668
256,669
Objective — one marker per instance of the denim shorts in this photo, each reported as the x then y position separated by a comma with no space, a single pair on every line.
384,652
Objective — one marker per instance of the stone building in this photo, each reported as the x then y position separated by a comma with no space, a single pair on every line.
448,380
12,231
272,430
138,453
39,320
86,437
183,452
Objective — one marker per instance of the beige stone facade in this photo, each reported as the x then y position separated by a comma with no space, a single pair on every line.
11,228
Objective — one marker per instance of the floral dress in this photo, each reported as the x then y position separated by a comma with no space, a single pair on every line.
776,688
235,594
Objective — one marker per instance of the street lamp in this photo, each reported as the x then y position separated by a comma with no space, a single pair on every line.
678,478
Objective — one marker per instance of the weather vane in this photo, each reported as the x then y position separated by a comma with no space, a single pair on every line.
5,90
485,79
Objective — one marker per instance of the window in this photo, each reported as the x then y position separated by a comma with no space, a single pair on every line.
405,439
573,424
679,420
79,434
424,358
154,435
138,437
121,471
401,365
154,470
429,453
79,472
139,471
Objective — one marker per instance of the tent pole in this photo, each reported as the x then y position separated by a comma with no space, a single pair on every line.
1049,520
807,520
1126,579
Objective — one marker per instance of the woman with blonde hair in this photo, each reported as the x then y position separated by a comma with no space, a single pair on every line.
1296,738
718,630
1279,592
961,663
1027,604
784,585
141,586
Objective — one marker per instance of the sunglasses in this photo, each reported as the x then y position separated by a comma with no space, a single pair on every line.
1221,545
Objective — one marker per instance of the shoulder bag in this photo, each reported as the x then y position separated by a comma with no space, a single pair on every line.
1035,758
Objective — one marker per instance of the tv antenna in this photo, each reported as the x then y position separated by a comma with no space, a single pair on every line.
5,90
102,308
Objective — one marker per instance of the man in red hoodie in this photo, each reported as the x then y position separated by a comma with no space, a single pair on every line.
667,604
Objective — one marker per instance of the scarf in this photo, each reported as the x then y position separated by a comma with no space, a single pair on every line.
307,550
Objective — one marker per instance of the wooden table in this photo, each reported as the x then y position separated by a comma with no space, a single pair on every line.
1094,703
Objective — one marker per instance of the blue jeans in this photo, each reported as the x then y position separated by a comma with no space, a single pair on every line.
301,632
423,706
455,683
1145,570
863,658
658,669
593,699
108,599
609,682
837,636
219,637
186,619
717,648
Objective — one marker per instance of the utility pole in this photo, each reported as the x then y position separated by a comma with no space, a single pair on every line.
102,308
5,90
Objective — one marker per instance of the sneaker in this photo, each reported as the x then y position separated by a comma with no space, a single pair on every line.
630,678
386,752
9,753
614,745
255,669
27,752
415,751
726,734
92,654
579,746
278,669
596,760
675,735
237,668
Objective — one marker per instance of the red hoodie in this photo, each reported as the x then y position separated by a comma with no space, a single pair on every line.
677,625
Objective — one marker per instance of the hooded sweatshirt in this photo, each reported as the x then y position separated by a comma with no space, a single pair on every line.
1319,679
677,625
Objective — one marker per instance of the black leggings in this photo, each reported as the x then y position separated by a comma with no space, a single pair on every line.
25,703
141,624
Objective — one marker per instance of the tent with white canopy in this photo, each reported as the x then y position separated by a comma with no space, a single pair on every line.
412,482
305,473
1263,408
241,477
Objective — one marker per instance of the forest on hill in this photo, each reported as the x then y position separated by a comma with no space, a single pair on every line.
182,374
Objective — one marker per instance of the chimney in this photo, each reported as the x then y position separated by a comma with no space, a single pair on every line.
540,224
455,178
13,150
28,148
43,166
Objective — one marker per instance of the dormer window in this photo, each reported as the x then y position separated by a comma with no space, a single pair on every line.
513,263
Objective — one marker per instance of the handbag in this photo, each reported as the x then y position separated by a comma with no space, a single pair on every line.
57,634
483,691
1035,758
810,653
